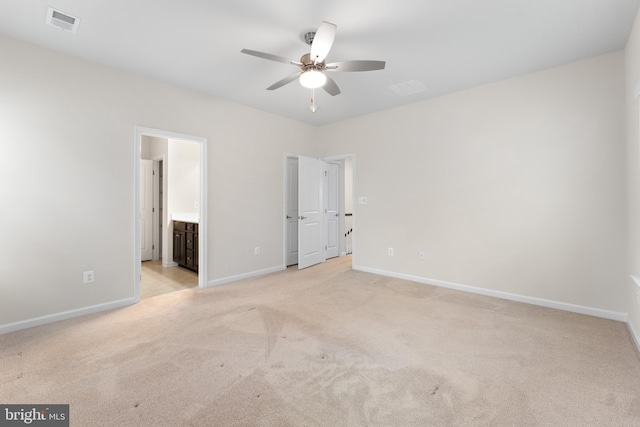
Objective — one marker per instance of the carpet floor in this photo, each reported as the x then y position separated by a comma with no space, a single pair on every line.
327,346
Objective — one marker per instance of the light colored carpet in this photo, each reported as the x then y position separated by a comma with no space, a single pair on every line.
328,346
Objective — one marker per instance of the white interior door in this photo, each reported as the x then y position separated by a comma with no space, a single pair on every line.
332,209
310,212
156,234
292,211
146,209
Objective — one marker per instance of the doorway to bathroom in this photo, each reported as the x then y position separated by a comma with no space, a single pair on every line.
171,207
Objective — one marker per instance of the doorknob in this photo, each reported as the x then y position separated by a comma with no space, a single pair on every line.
289,217
302,217
337,214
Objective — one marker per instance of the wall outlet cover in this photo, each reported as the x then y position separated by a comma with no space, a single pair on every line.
89,276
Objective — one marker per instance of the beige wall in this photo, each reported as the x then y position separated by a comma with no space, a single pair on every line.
515,187
633,172
183,175
67,184
152,147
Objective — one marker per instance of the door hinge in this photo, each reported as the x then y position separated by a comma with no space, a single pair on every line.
153,209
153,246
325,247
325,173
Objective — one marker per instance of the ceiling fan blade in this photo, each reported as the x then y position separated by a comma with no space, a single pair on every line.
284,81
322,41
356,66
271,57
331,87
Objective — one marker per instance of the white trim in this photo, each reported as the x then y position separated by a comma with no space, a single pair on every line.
605,314
636,279
39,321
249,275
636,91
202,225
284,204
634,335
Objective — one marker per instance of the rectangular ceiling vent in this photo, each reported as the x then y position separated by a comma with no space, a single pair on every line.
408,88
62,20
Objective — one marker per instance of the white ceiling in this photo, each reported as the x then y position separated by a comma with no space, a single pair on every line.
448,45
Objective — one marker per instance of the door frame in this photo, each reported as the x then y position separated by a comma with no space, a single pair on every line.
287,221
339,158
148,200
158,166
328,165
202,212
284,204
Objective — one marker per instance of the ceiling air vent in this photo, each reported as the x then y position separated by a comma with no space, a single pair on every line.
408,88
62,20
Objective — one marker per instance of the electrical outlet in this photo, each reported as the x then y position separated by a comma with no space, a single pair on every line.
256,250
89,276
421,255
390,251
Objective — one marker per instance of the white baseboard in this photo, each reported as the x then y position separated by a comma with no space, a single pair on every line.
634,334
24,324
612,315
230,279
170,264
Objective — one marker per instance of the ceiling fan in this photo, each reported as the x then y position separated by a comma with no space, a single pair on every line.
312,65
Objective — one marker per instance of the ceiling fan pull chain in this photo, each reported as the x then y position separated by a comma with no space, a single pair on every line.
313,101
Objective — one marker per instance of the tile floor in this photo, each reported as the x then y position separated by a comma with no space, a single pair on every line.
157,280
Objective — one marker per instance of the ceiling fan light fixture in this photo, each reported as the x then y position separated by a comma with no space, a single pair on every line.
313,79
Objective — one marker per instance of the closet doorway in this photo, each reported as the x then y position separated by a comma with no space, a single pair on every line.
318,209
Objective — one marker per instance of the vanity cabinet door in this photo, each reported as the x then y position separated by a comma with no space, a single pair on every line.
185,244
178,246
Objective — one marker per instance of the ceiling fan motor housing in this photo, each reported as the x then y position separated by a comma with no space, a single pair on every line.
309,64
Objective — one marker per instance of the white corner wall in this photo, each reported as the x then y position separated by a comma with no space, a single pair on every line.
67,174
632,89
516,188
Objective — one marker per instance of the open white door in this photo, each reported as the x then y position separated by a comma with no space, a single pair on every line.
146,209
332,208
310,209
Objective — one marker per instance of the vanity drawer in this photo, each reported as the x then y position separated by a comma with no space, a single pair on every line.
190,260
